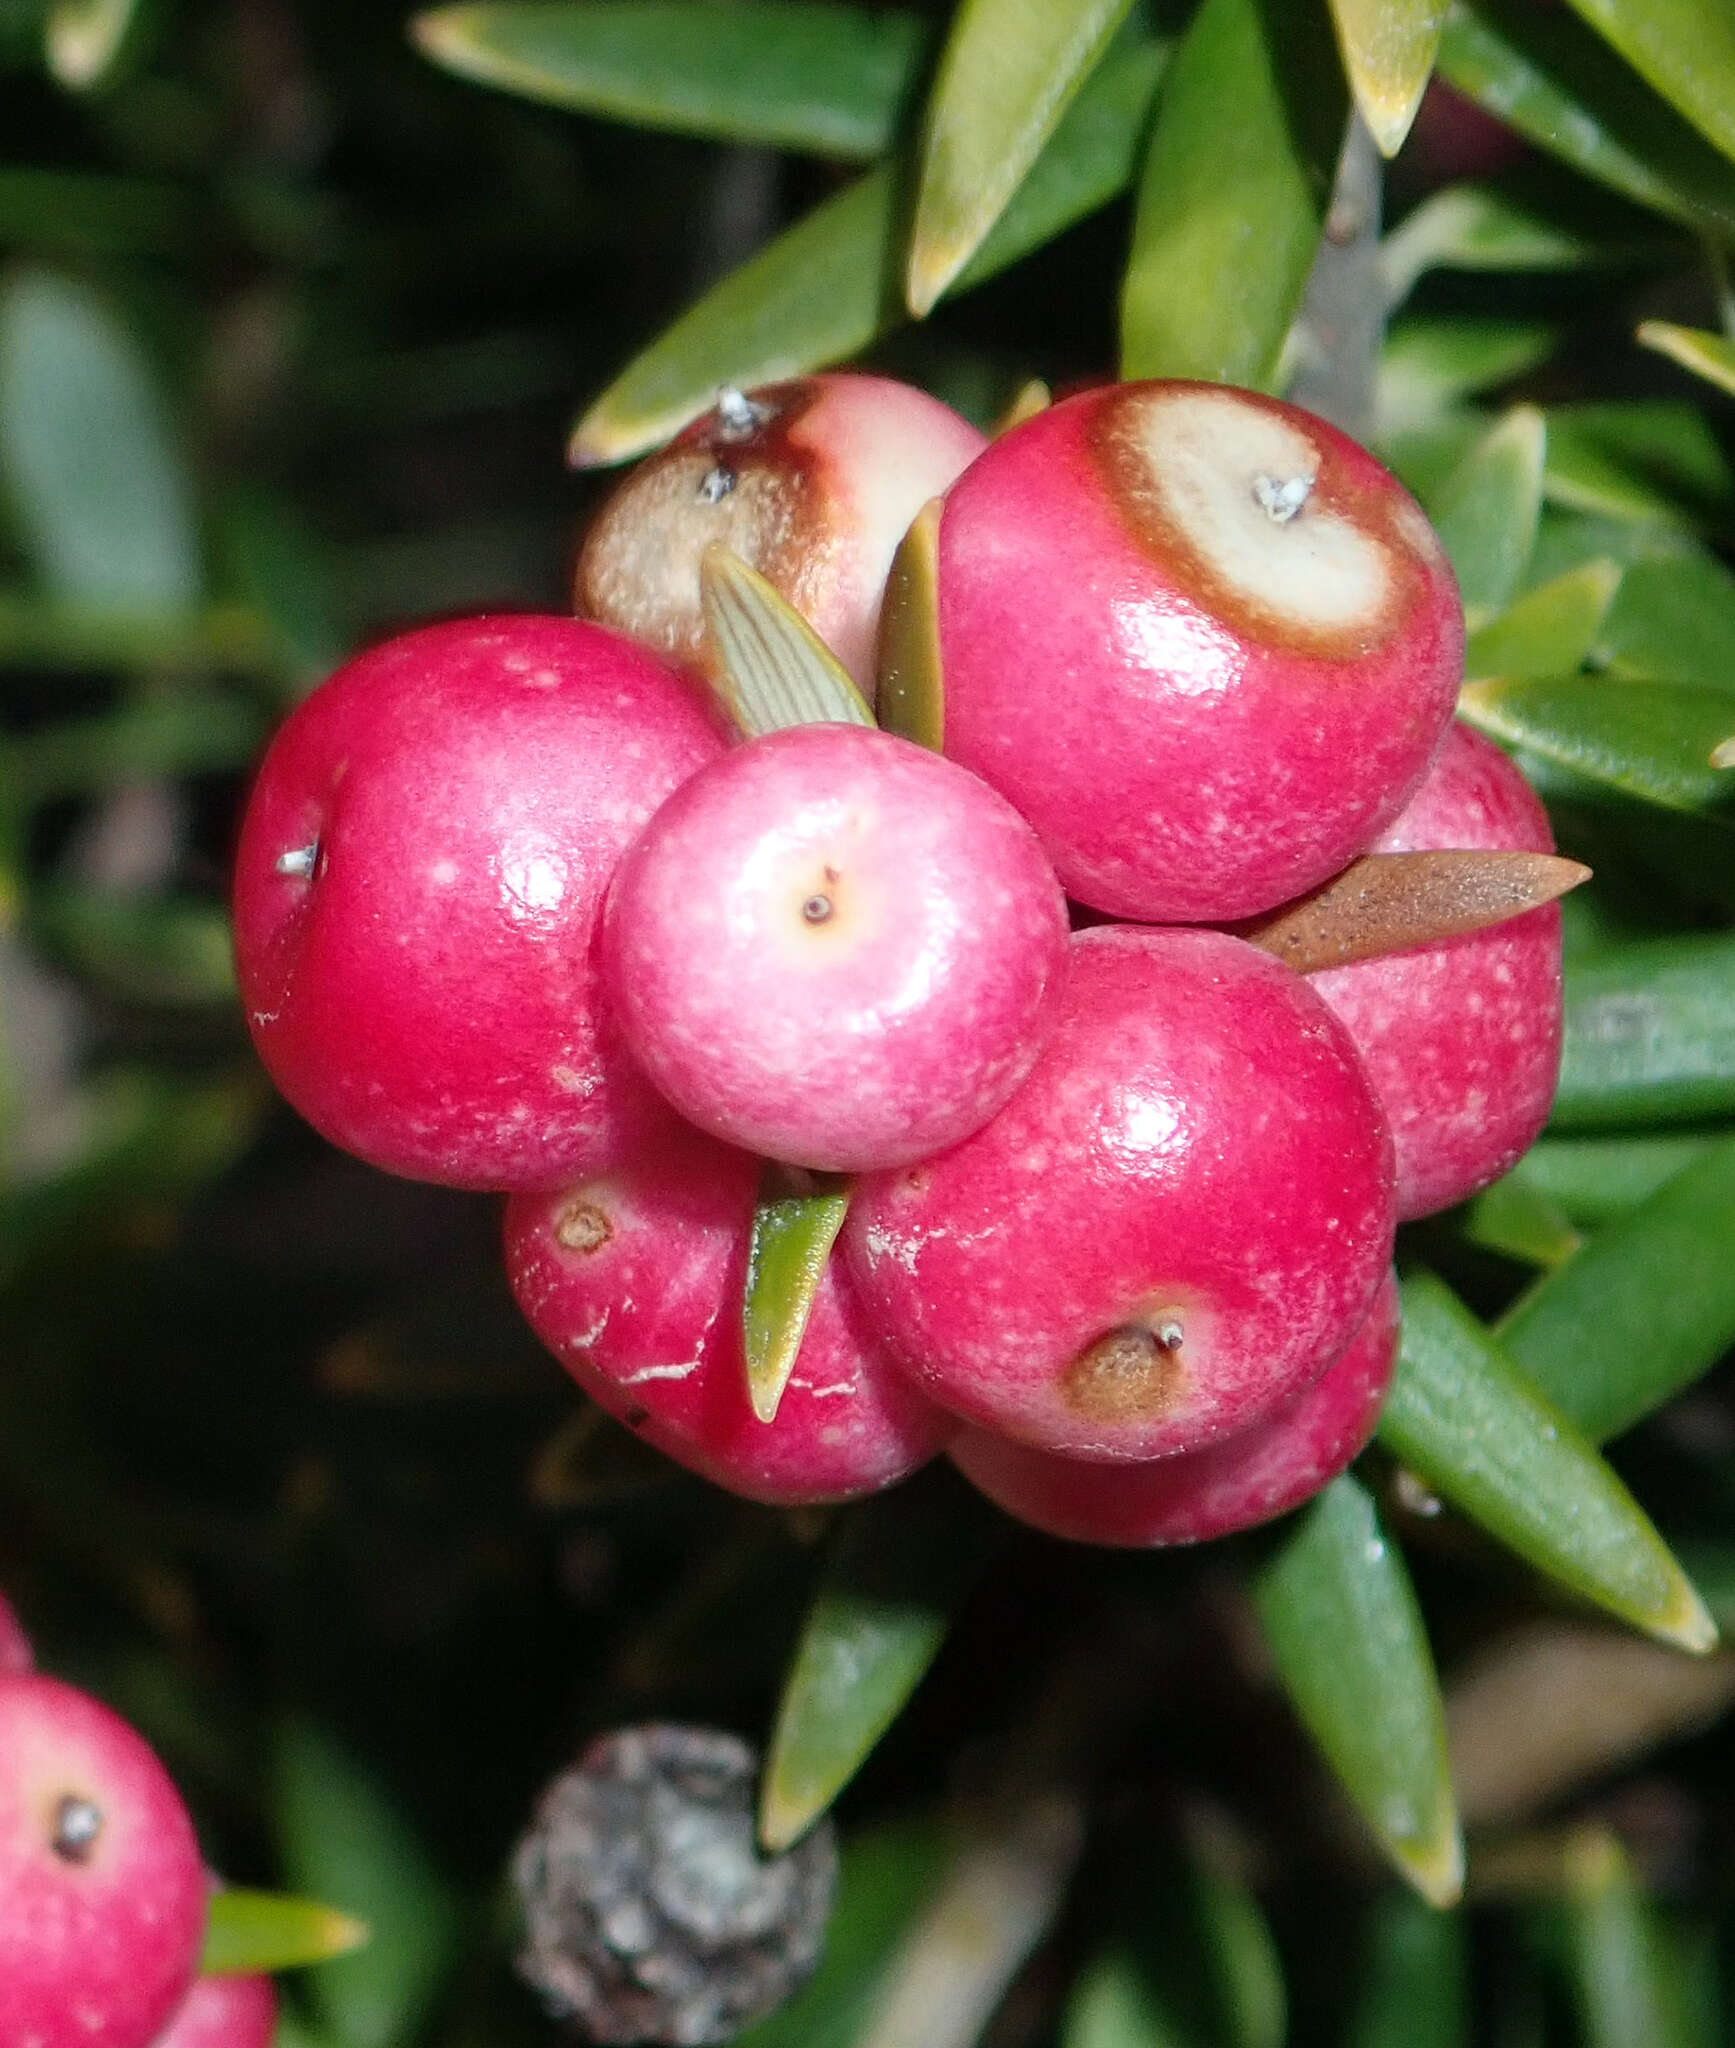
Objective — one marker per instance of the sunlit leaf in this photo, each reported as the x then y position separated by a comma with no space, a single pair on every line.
1388,50
773,670
1645,1308
99,487
1550,630
247,1931
1486,511
1466,1419
1649,740
818,293
794,74
1230,210
1009,70
793,1233
1343,1625
1683,48
1650,1034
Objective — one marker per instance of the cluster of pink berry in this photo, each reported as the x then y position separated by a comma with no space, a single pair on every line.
103,1897
515,911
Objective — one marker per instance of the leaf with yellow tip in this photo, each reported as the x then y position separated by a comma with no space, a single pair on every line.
1723,753
1618,1964
1707,355
1388,52
1031,398
912,691
793,1233
1008,72
772,668
249,1931
1341,1618
83,39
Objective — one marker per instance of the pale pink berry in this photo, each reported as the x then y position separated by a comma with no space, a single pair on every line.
635,1283
224,2012
1180,1218
1203,641
1461,1038
812,482
102,1893
419,885
1237,1482
836,949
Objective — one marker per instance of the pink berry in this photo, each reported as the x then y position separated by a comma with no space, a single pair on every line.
635,1283
224,2012
1203,641
814,483
1235,1483
1461,1038
419,885
16,1655
1179,1219
102,1894
836,949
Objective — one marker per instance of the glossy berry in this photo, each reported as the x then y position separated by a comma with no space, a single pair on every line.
1461,1038
635,1283
836,949
419,885
102,1893
1179,1219
1203,641
224,2012
812,482
1235,1483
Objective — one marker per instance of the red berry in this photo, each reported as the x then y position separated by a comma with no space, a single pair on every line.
1235,1483
102,1893
224,2012
1204,642
835,948
813,483
635,1283
1461,1038
1179,1219
419,886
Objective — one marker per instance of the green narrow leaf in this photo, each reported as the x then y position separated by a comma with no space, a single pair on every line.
267,1931
84,39
1546,75
1615,1963
792,1238
1388,51
1550,630
773,669
912,686
1650,1035
1522,1221
1009,70
148,949
1414,1981
1595,1180
1673,620
344,1840
1707,355
101,492
1648,740
1684,49
1653,460
1645,1308
1467,1420
1343,1625
1487,509
1113,2005
793,74
1230,210
1481,227
819,292
900,1571
181,735
1428,366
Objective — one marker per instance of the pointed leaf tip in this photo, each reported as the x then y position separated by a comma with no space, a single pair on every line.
1388,51
912,690
793,1233
1723,753
773,669
253,1931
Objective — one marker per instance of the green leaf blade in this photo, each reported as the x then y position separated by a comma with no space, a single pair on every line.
1653,741
1231,210
1388,51
1343,1625
800,75
1650,1035
1682,48
266,1931
1549,631
1466,1419
792,1239
1486,512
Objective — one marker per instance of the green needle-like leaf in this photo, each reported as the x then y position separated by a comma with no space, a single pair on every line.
1342,1621
1009,70
1486,511
793,74
1683,48
1467,1420
1649,740
1549,77
1429,366
266,1931
1616,1964
1233,195
1650,1035
820,291
912,684
1645,1308
1707,355
793,1234
1522,1221
1415,1981
773,670
1594,1180
1388,51
900,1571
1481,227
1549,631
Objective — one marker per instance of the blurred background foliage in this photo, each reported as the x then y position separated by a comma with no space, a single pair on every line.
295,319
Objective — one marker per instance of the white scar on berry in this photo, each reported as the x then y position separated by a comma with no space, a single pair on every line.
299,860
737,415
